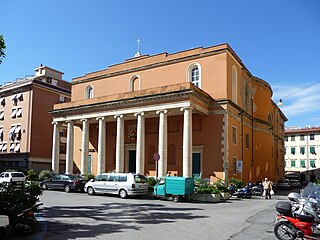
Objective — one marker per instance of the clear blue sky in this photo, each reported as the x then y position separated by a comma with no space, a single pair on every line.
278,41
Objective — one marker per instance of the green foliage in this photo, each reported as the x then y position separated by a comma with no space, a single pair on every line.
12,196
88,176
205,187
2,48
236,182
151,182
45,174
32,175
221,186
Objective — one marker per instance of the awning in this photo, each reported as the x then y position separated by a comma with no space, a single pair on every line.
1,99
1,130
2,115
18,129
13,113
1,147
17,148
19,112
13,97
19,95
12,146
4,147
13,128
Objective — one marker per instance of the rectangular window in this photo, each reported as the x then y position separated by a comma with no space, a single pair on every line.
312,163
313,150
293,163
311,136
293,150
286,138
302,150
285,151
302,163
234,135
247,141
293,138
301,137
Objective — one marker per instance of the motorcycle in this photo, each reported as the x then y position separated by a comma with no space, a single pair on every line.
243,193
22,219
300,219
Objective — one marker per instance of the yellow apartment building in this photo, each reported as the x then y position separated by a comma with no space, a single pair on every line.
201,110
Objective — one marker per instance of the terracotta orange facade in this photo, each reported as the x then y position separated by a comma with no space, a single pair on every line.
200,109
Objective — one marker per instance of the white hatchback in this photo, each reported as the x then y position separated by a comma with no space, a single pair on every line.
122,184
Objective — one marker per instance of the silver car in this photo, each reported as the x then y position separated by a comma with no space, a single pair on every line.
122,184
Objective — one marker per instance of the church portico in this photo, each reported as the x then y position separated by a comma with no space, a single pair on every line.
130,126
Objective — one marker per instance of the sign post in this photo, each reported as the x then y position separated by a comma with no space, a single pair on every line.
156,158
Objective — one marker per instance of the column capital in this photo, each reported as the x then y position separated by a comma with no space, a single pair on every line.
55,122
84,120
118,116
102,118
139,113
185,108
162,111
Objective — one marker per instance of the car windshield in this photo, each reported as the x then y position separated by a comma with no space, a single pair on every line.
140,179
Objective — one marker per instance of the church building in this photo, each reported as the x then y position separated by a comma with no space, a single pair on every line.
195,113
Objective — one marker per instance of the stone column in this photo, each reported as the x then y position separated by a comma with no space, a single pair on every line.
69,153
85,146
102,146
140,143
55,147
120,144
187,142
163,139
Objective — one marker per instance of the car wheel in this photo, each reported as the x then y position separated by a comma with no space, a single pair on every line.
90,191
67,188
175,198
123,193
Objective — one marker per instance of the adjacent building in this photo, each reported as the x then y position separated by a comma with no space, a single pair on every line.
302,148
25,124
200,110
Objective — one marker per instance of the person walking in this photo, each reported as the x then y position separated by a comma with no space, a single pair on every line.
267,187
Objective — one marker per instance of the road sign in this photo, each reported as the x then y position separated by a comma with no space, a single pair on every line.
239,166
156,156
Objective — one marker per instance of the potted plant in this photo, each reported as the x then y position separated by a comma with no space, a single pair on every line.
206,192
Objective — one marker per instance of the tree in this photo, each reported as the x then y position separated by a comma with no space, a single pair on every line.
2,48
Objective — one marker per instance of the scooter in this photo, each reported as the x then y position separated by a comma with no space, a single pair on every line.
22,219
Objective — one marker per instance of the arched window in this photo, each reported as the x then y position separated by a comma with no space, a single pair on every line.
194,74
234,85
89,92
134,83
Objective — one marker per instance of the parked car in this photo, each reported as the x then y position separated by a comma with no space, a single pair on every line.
284,184
66,182
12,177
295,183
122,184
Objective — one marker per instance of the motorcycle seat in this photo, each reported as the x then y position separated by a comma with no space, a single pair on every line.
304,218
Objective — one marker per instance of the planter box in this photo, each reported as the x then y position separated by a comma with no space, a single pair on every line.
203,197
225,195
